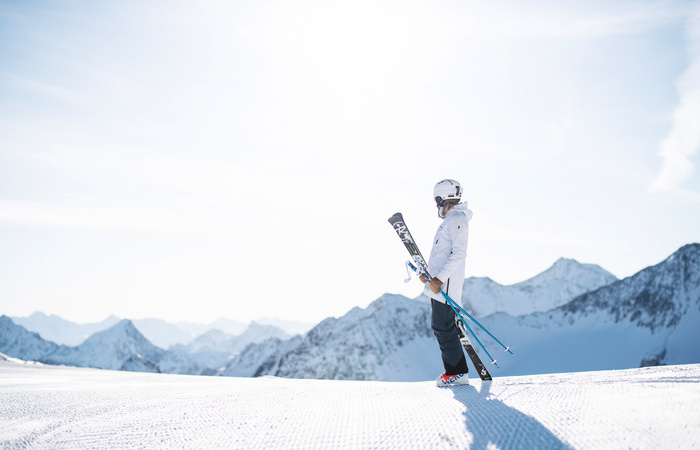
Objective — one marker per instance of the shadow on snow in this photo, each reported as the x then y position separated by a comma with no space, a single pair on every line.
489,420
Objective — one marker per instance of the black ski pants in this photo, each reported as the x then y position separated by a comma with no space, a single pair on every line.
445,330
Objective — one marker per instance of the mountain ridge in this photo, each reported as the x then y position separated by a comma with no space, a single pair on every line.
124,347
555,286
163,334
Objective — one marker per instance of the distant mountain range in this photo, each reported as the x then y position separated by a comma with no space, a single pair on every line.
123,347
572,317
210,352
159,332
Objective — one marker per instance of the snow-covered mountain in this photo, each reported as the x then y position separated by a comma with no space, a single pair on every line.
257,359
161,333
120,347
559,284
291,327
16,341
257,332
377,343
236,328
228,326
650,318
114,348
123,347
214,349
56,329
205,354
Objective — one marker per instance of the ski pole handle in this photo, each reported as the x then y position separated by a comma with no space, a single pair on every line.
408,272
420,272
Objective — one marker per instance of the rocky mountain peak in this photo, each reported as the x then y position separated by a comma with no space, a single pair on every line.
655,297
572,270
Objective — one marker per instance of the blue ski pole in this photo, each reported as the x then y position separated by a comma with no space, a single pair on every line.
456,305
482,327
464,322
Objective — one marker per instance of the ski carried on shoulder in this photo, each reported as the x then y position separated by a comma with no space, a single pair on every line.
421,268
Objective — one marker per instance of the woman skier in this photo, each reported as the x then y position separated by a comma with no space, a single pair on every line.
447,263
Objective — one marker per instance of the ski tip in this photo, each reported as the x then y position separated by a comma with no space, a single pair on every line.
395,216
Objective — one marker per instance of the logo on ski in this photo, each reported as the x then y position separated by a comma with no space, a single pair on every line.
403,233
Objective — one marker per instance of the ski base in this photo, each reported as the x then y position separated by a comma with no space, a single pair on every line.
466,343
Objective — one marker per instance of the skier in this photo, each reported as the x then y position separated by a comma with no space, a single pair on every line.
447,263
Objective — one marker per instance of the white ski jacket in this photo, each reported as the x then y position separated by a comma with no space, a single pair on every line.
448,257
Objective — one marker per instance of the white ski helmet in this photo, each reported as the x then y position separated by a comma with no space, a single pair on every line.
447,190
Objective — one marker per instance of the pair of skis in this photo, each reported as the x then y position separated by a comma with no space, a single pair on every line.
420,267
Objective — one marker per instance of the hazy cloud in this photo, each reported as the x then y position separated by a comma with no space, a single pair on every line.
684,139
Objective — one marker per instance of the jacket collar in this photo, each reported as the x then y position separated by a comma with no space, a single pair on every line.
462,207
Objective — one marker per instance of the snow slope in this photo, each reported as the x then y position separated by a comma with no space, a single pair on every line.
70,408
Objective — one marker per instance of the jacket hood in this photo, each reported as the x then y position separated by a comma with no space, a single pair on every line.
462,207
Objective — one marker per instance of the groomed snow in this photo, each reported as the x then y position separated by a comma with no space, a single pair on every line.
65,407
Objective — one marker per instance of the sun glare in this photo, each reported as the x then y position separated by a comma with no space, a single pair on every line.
342,55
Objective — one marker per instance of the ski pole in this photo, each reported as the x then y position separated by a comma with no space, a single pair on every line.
425,272
464,322
482,327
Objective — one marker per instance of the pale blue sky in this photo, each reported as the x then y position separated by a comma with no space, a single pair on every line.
195,160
